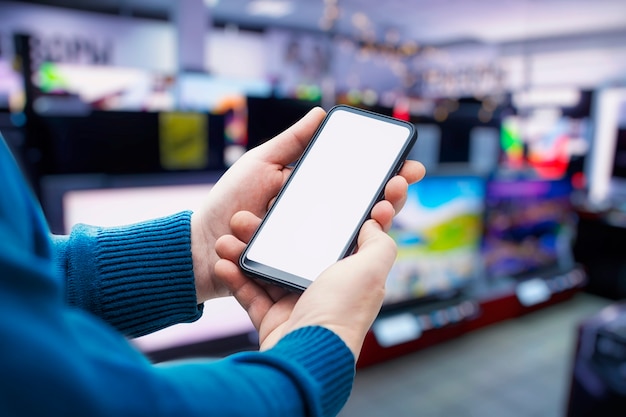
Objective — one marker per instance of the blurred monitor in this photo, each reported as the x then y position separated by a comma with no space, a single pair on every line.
427,148
528,228
215,94
107,200
128,142
545,141
464,138
484,149
11,87
226,96
62,88
438,233
268,116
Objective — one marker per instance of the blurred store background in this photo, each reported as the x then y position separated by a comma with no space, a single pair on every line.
119,110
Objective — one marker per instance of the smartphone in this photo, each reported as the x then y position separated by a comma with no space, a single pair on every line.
316,217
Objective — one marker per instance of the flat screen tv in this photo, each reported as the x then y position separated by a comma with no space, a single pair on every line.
269,116
123,142
438,233
529,227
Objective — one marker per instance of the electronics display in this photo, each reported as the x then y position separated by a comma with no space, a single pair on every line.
438,233
111,200
127,142
546,142
458,123
102,87
225,96
268,116
215,94
317,215
11,86
529,226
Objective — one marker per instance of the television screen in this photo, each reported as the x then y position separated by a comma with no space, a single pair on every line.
268,116
210,93
11,87
438,233
107,200
546,142
100,87
427,148
458,121
130,142
529,226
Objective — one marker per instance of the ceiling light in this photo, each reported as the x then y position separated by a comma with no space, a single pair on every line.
361,21
270,8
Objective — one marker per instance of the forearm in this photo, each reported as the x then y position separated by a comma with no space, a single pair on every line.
308,373
139,278
79,367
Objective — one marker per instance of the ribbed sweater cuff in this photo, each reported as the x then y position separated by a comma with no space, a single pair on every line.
144,275
322,365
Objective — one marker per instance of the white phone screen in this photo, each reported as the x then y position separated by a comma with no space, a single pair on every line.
329,195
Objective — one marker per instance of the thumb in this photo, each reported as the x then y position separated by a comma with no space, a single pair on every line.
374,241
287,147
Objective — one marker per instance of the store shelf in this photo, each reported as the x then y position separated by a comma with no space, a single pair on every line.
414,328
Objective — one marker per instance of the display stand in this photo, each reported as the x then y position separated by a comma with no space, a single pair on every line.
414,328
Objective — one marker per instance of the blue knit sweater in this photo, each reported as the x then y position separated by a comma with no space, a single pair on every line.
69,303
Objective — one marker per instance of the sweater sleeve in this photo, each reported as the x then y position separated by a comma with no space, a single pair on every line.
139,278
308,373
58,360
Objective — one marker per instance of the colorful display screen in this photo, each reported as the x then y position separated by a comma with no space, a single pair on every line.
545,143
529,226
438,233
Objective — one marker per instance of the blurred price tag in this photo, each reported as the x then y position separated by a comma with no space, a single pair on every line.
397,329
533,292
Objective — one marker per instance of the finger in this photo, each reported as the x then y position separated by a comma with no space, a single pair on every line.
290,144
383,213
274,291
286,173
412,171
270,331
373,243
243,225
229,247
396,192
373,239
396,188
252,297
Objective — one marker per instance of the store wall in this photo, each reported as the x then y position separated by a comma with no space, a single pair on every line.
82,37
65,35
74,36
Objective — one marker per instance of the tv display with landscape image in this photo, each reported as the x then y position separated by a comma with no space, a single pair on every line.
438,233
